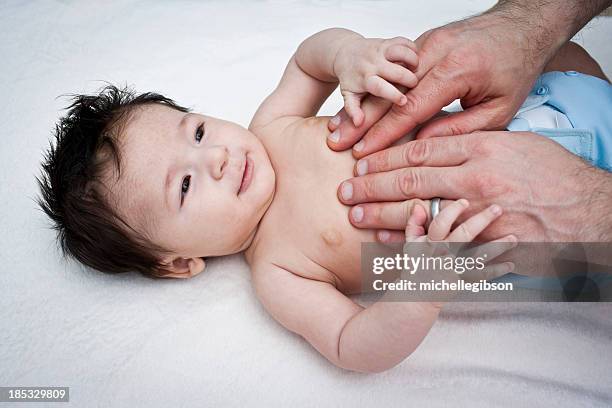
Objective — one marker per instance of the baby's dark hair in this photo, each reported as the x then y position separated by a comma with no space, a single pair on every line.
88,228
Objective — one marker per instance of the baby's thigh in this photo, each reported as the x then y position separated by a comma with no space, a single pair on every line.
572,57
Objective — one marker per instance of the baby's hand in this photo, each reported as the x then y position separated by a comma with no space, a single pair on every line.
370,65
440,230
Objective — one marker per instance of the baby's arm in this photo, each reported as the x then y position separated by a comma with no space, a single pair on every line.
361,65
369,339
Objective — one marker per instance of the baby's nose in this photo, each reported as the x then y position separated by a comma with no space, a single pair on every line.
218,158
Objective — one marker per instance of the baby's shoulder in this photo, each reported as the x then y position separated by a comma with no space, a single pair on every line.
268,261
290,125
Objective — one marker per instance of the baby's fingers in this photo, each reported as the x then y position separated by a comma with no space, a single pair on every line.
441,225
398,74
493,249
377,86
402,54
415,227
470,229
489,272
352,106
402,41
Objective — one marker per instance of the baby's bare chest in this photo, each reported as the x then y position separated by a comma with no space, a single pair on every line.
306,228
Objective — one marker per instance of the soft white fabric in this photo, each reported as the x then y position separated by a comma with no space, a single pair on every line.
127,341
544,116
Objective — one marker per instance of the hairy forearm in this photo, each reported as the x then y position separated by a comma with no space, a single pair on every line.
548,24
316,54
384,334
597,217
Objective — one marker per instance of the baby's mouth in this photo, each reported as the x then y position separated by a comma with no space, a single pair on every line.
247,175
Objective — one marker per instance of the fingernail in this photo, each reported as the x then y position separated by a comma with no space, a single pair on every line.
383,236
357,214
403,100
362,167
464,202
510,266
334,136
359,146
347,191
335,120
496,209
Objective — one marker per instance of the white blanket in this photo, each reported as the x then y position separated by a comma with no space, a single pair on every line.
128,341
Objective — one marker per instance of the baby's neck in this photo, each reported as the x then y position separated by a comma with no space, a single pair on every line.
251,242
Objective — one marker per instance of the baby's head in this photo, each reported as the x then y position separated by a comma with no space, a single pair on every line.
137,182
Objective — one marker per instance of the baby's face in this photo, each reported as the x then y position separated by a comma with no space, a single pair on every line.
194,184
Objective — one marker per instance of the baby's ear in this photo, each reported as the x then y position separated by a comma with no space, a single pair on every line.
182,267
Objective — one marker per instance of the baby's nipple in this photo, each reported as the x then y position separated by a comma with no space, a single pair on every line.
332,237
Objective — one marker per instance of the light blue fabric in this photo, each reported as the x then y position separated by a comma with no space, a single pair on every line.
587,103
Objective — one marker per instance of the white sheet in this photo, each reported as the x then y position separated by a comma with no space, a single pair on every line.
126,341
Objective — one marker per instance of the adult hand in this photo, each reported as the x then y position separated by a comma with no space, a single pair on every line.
546,193
489,62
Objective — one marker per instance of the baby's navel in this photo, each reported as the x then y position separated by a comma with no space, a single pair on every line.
332,237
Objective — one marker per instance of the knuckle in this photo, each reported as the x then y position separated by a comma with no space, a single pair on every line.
489,186
368,188
407,182
416,152
413,104
377,214
481,145
465,232
381,161
440,36
458,128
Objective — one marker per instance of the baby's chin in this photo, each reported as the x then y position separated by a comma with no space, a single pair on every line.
261,189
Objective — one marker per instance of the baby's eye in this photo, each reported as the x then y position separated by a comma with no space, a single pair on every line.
185,187
199,133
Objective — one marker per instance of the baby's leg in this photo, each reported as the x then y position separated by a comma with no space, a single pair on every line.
572,57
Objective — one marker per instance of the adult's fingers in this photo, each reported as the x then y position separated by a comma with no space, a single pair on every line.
484,116
435,152
403,184
352,105
335,120
345,134
436,90
391,215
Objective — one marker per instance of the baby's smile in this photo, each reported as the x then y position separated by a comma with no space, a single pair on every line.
247,174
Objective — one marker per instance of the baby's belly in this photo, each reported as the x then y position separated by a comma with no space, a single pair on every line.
306,209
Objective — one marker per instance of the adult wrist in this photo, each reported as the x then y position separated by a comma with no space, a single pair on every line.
538,33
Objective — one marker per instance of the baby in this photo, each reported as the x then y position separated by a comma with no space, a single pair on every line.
140,183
